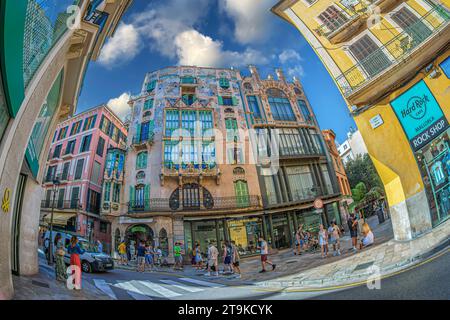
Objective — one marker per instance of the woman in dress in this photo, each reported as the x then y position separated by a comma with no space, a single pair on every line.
75,250
60,267
323,240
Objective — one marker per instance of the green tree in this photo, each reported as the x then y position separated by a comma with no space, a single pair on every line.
359,192
361,169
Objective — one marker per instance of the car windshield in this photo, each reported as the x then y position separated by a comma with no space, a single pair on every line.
88,247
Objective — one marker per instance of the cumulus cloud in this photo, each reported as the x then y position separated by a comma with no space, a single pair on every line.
194,48
289,55
123,47
250,18
296,71
120,105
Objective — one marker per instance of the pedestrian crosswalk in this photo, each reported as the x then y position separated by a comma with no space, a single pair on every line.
155,289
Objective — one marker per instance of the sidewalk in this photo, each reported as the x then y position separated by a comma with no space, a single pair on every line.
381,260
43,286
287,263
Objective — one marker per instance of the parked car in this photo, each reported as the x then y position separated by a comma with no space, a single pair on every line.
91,260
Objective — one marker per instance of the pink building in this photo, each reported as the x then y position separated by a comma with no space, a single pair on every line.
75,165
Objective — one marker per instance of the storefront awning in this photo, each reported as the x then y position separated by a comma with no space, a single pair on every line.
59,218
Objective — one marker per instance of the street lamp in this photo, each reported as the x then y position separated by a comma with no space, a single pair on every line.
56,184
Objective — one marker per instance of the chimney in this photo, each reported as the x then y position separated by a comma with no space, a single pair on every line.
280,75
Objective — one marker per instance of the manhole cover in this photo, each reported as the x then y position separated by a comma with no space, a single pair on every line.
40,284
363,266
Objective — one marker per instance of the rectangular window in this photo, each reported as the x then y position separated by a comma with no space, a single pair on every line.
103,227
100,146
76,127
189,153
303,108
116,193
57,151
85,143
61,194
232,129
227,101
171,153
107,192
104,125
333,18
254,106
96,172
75,197
300,182
70,147
148,104
369,55
188,120
89,123
172,122
65,173
209,154
413,26
51,173
281,109
62,133
79,169
327,179
206,122
93,201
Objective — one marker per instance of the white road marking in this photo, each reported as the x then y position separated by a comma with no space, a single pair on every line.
182,287
203,283
104,287
159,289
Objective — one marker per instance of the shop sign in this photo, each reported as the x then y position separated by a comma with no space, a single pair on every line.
318,203
376,121
420,115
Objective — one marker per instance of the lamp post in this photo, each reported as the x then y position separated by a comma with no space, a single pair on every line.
56,184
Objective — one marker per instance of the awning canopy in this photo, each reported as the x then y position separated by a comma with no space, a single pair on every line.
59,218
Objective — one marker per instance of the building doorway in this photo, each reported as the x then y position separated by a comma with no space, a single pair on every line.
138,233
15,227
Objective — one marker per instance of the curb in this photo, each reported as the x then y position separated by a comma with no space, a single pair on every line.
355,279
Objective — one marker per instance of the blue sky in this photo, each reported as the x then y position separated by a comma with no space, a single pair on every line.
218,33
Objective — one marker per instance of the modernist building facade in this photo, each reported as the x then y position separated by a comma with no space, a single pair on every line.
390,60
196,172
76,162
43,57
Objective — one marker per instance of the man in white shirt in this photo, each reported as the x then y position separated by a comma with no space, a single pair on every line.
213,255
264,250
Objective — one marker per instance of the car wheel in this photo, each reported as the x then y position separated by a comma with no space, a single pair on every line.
86,267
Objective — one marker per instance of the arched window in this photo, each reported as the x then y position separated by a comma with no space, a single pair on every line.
280,106
297,91
140,175
248,86
141,160
238,171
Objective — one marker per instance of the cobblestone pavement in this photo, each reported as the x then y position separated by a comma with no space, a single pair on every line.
43,286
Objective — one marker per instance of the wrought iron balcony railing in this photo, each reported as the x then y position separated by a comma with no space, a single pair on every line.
394,51
214,204
143,140
61,204
303,194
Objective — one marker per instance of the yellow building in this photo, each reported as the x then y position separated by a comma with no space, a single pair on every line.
390,60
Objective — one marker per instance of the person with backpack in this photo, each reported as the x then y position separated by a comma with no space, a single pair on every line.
228,253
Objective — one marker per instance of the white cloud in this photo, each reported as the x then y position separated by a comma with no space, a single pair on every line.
120,105
289,55
124,46
251,18
296,71
194,48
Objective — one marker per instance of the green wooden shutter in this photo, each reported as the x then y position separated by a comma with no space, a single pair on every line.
132,197
220,100
147,196
138,132
235,102
241,190
144,157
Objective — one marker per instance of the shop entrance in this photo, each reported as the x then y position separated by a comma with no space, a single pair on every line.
138,233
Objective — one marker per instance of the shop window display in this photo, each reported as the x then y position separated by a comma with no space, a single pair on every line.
245,233
434,163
